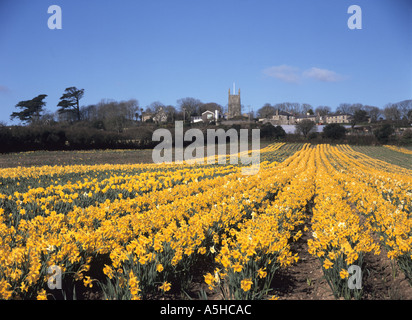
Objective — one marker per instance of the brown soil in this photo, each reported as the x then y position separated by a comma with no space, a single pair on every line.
382,279
303,280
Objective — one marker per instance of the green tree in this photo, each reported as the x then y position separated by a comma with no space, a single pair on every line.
270,131
69,101
392,113
383,133
406,137
279,133
334,131
358,117
30,109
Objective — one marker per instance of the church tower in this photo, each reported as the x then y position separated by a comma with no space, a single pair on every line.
234,109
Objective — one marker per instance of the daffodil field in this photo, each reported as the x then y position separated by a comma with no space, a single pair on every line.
143,231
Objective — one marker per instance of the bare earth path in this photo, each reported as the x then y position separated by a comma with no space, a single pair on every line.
382,279
303,280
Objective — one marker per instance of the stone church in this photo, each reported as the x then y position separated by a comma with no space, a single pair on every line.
234,109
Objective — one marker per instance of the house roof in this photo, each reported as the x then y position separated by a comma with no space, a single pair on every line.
338,114
306,116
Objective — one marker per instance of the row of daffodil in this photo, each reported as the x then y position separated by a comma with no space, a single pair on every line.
181,246
42,180
390,181
340,239
368,162
55,173
70,239
131,181
384,199
399,149
36,236
184,237
57,170
83,193
257,247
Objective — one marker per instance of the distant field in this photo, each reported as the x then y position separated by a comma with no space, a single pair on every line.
387,155
51,158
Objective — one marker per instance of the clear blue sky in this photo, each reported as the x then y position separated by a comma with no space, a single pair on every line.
164,50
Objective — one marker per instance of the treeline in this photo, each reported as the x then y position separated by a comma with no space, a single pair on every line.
398,113
63,137
107,114
117,115
106,124
111,124
80,136
382,133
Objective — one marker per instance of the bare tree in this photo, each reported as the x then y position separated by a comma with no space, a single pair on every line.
113,114
211,106
392,112
404,107
130,108
344,108
281,106
89,113
306,107
305,127
291,107
189,106
266,111
155,106
355,107
170,112
322,110
372,112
